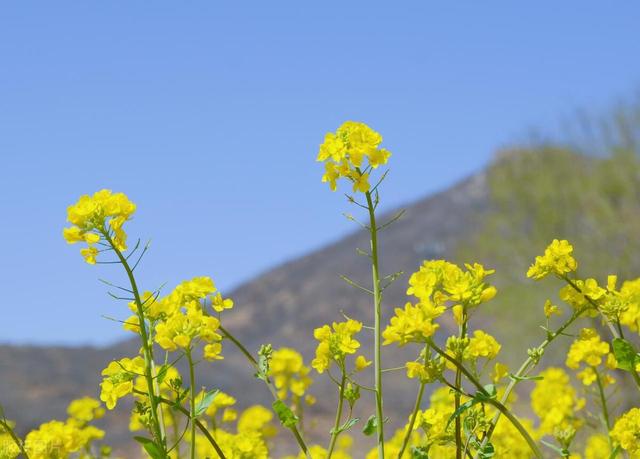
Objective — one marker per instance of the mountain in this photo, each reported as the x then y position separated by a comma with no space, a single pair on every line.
502,216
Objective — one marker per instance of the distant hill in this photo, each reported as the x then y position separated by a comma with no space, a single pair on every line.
502,216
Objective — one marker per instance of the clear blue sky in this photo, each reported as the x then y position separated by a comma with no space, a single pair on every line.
209,117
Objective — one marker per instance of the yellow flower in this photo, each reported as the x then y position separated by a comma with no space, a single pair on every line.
336,344
559,411
550,309
588,348
597,447
626,431
289,373
118,379
482,345
413,324
344,152
85,410
219,304
257,418
97,217
361,363
557,259
500,370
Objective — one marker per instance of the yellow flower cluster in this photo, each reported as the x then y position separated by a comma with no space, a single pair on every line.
344,151
626,432
118,379
97,217
335,344
439,281
341,451
181,317
590,350
257,418
181,329
85,410
557,259
57,439
557,412
483,345
289,373
413,324
426,372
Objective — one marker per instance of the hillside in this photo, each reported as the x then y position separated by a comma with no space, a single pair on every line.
502,216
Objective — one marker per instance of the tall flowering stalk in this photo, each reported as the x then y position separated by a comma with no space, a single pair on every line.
353,152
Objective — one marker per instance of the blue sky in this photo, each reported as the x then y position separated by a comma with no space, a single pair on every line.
209,114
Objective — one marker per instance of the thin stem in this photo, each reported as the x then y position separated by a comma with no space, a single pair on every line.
412,421
458,385
377,300
532,444
192,391
524,369
605,409
14,437
336,425
158,429
198,424
294,429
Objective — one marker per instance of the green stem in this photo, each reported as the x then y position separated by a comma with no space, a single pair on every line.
158,429
605,409
617,333
294,429
523,371
377,301
14,437
192,391
336,425
458,386
198,424
412,421
532,444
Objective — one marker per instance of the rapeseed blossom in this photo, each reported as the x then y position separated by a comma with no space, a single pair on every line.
96,218
335,343
344,153
289,373
558,412
626,431
118,379
557,259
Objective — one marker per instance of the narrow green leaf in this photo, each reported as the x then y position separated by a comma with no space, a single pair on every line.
162,373
348,424
526,378
150,447
286,416
205,401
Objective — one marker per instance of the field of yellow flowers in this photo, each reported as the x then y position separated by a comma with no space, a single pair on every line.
470,410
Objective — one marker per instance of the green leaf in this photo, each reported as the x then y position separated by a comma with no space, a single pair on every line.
346,426
561,451
615,452
525,378
286,416
205,401
625,354
162,373
371,425
150,447
462,408
419,452
487,452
